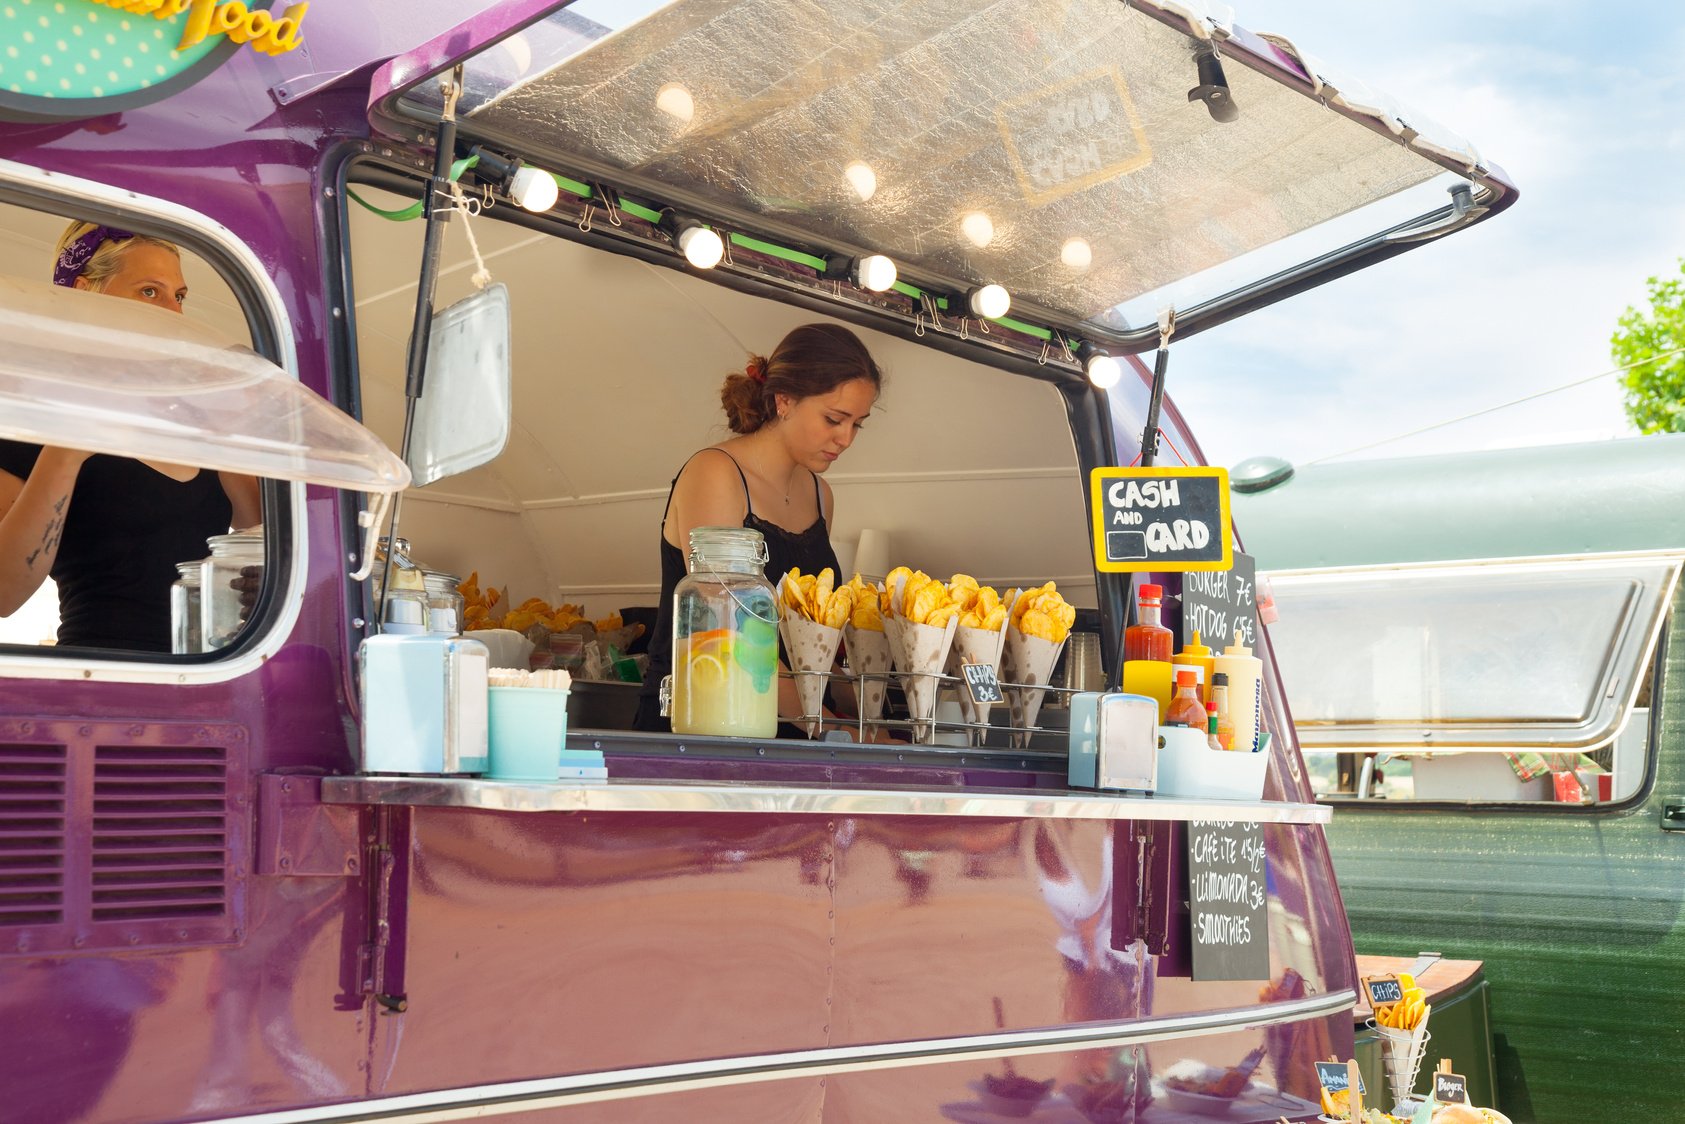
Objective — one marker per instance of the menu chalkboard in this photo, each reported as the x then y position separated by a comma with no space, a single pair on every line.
1160,519
1219,602
1228,901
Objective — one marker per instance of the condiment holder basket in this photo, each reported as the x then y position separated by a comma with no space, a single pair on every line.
1402,1052
1188,766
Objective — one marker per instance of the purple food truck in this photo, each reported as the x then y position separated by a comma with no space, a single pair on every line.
521,242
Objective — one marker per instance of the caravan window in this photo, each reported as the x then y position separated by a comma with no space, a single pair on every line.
1473,681
84,368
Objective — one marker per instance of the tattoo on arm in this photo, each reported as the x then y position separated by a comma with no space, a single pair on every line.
50,535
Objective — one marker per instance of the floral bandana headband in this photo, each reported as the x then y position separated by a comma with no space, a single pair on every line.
76,256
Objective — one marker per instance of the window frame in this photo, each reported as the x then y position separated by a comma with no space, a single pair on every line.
286,541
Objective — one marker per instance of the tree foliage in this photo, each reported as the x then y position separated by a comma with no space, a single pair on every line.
1655,387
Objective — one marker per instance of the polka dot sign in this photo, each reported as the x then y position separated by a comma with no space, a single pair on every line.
80,58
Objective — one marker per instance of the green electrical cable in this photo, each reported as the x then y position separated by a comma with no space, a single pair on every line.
573,186
777,251
413,211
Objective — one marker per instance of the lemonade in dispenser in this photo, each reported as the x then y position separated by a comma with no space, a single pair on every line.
725,638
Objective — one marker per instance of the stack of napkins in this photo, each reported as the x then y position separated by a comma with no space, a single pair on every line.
583,765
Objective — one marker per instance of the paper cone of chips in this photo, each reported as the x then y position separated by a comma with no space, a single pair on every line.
920,624
976,645
810,646
869,654
1040,624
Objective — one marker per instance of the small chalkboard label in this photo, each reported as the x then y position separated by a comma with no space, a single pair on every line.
1383,990
1228,901
982,683
1332,1076
1450,1088
1218,603
1160,519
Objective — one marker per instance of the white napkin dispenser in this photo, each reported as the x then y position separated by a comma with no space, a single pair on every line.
424,704
1113,741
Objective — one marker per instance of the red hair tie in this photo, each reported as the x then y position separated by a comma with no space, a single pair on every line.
756,369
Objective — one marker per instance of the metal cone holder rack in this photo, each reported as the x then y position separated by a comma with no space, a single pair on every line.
924,730
1401,1055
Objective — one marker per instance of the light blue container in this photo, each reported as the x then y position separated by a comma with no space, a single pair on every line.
529,726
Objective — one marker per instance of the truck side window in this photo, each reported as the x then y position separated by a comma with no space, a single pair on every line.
118,531
1474,682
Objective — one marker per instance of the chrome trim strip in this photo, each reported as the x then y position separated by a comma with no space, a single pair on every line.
70,190
710,797
480,1101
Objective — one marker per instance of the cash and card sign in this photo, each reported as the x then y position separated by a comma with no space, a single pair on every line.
1165,520
1228,901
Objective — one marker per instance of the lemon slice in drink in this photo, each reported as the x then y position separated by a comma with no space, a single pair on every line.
706,672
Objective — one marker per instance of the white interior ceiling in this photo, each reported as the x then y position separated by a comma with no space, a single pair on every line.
618,366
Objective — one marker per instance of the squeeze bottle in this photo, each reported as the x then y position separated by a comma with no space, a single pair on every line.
1246,692
1197,656
1147,645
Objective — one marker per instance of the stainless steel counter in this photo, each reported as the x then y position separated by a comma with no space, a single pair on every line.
715,797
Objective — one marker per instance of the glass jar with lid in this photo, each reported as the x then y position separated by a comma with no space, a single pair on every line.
185,625
444,603
228,583
725,638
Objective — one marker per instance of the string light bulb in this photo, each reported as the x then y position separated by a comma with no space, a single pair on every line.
872,272
978,228
1102,369
862,179
989,302
702,248
533,189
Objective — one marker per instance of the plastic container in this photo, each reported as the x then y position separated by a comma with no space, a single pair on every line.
186,635
1246,692
424,697
725,638
1187,766
234,558
528,728
1147,646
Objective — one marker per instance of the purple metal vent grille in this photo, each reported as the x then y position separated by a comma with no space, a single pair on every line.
121,834
32,812
160,843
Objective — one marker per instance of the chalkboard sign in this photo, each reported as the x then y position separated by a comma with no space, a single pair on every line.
1383,990
1228,901
1332,1076
1160,519
981,682
1216,603
1450,1088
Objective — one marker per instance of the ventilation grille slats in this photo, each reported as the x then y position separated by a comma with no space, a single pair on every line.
32,814
160,832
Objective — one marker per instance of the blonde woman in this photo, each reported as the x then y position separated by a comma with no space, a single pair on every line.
110,530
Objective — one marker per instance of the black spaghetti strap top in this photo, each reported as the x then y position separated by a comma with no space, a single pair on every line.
809,550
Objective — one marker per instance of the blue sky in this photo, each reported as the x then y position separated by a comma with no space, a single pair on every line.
1584,106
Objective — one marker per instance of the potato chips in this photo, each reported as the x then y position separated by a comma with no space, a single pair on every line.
478,611
1042,613
815,597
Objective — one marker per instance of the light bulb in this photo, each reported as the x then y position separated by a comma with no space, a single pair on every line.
862,179
991,302
675,101
1103,371
1077,254
701,246
978,228
533,189
874,272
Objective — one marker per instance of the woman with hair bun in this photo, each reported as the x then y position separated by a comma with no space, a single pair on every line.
794,413
110,530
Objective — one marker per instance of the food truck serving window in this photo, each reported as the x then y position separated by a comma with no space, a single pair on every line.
1535,656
